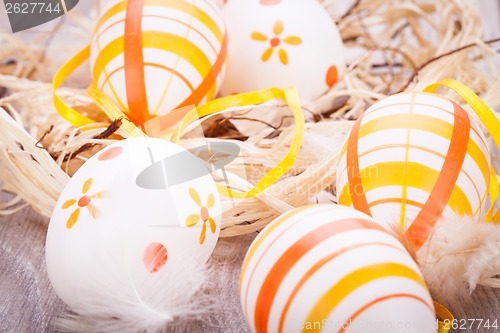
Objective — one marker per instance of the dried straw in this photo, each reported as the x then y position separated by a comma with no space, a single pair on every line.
393,46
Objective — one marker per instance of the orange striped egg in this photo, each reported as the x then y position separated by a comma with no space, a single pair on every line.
154,56
410,159
330,268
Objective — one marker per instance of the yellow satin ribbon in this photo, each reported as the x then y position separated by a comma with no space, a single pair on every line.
444,318
290,96
71,115
490,121
113,112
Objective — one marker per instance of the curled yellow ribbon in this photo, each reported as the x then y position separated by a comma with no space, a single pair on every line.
490,121
444,318
290,96
71,115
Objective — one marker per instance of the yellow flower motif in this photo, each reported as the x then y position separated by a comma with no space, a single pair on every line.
204,214
276,41
84,201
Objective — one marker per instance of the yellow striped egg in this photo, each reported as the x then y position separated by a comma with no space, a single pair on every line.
282,43
411,158
154,56
329,268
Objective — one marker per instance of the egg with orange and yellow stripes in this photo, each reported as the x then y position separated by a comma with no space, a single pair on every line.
412,157
330,268
155,57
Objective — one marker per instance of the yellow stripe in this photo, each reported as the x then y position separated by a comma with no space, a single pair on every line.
426,124
71,115
327,303
159,40
116,9
422,177
265,234
480,197
180,5
290,95
107,78
404,191
485,114
171,78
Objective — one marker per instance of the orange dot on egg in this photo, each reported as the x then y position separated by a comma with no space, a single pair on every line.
204,214
275,42
332,76
155,257
110,154
84,201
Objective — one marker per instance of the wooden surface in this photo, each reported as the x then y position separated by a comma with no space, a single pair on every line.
28,303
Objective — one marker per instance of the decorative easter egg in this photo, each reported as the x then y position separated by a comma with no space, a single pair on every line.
281,43
329,268
140,209
411,158
154,56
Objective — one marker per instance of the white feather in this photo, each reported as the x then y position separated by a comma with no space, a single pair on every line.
160,302
461,253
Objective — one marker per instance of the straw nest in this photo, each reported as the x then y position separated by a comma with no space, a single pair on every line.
393,46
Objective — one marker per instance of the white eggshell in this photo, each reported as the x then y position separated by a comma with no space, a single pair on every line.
180,56
328,267
415,156
261,33
126,232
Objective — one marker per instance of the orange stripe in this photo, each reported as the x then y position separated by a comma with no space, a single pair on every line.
267,232
116,9
169,19
327,303
426,124
179,5
146,64
314,269
379,300
430,151
290,257
209,80
165,41
356,188
113,91
424,224
404,185
135,82
396,200
423,178
432,106
480,135
193,11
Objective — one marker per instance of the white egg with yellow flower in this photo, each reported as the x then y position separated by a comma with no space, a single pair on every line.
140,212
281,43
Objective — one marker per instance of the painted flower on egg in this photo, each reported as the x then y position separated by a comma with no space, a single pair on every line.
204,214
276,42
85,201
155,257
